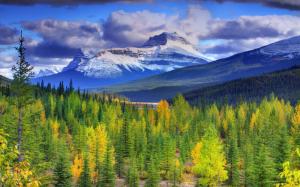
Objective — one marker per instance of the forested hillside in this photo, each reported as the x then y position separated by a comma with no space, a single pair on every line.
284,84
62,137
72,139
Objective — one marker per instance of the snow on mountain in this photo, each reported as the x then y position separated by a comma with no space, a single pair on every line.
164,52
287,48
277,56
161,53
41,72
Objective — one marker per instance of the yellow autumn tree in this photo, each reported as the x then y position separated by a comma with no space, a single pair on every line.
295,129
290,175
196,153
92,143
77,166
209,160
101,139
296,119
14,173
55,128
253,119
164,113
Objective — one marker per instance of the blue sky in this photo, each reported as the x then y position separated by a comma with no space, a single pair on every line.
56,32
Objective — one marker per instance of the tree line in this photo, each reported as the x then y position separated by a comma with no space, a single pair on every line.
62,137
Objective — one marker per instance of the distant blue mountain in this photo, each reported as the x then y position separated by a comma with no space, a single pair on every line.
161,53
277,56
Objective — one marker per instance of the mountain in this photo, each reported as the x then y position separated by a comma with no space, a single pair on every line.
4,81
277,56
46,72
284,84
161,53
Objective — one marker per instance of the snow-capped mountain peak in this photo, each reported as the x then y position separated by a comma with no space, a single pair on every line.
161,53
164,38
46,72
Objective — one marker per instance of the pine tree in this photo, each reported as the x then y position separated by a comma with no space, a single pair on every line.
119,156
22,72
85,177
265,167
107,177
250,173
71,88
62,175
133,174
153,174
233,158
233,161
167,157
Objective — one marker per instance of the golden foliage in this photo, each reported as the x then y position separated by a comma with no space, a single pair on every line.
77,166
291,176
196,153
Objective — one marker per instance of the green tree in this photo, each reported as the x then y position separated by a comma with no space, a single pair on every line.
85,177
153,174
22,72
62,175
233,158
133,174
107,177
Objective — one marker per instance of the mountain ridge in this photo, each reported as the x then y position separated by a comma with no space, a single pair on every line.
118,63
269,58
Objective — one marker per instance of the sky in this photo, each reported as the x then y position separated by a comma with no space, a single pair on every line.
57,30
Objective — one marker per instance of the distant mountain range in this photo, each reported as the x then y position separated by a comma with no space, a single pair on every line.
161,53
277,56
284,84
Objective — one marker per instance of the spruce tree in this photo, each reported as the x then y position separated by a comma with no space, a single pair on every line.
133,174
107,177
62,175
22,73
233,159
153,174
85,177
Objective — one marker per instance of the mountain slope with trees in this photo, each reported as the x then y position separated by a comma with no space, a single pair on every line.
61,137
284,84
278,56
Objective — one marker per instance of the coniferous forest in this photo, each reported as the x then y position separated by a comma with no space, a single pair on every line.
63,137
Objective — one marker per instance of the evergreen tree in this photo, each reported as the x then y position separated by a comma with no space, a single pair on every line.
62,175
265,167
167,157
250,173
153,174
22,72
133,174
233,158
85,177
107,177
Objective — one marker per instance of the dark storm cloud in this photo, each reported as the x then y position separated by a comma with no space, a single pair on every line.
52,50
112,31
65,2
285,4
8,35
243,28
221,49
64,37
